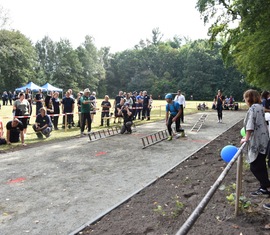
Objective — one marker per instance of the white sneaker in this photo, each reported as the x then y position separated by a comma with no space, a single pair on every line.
220,121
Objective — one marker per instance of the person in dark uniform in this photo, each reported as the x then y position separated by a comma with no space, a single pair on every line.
219,102
56,109
49,104
68,104
126,113
116,103
146,106
39,98
15,132
43,124
106,105
85,111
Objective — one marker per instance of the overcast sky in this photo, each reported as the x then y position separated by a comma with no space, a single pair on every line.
119,24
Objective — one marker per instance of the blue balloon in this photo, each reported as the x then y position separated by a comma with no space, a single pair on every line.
228,152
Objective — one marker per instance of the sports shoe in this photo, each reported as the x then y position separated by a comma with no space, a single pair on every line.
260,192
169,138
266,206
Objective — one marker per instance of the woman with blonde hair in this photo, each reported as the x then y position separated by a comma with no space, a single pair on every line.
257,140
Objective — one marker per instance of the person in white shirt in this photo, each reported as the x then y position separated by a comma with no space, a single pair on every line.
182,102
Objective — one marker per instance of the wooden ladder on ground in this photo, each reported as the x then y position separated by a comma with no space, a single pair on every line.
197,126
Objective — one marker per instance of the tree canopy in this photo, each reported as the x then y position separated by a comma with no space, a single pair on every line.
245,27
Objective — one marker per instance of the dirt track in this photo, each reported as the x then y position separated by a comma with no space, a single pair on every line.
50,190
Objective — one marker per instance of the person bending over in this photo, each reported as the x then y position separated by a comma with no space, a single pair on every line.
128,117
173,114
15,132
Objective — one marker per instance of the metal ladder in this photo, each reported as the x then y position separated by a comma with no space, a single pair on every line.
97,135
101,134
197,126
154,138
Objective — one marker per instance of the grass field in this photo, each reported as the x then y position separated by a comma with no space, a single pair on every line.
157,113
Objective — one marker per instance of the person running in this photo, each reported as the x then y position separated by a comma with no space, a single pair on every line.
219,102
173,113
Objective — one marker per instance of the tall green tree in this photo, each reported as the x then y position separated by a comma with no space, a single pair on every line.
68,68
92,64
17,60
245,26
46,51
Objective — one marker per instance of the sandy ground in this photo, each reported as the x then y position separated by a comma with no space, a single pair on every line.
51,189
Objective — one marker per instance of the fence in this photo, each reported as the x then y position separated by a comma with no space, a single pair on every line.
199,209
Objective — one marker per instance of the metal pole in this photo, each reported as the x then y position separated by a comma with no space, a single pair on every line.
199,209
238,183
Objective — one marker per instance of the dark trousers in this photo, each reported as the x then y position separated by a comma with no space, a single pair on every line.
259,170
219,112
55,121
105,114
182,114
138,111
170,122
84,117
69,119
145,112
38,106
126,127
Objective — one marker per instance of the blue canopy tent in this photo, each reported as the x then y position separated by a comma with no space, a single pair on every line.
50,87
32,86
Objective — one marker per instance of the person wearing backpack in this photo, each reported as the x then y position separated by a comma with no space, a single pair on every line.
173,113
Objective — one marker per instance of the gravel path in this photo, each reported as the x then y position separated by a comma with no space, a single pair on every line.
51,189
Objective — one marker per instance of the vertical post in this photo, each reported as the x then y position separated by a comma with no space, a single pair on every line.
238,183
65,121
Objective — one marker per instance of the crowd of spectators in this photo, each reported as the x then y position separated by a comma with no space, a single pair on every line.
127,106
